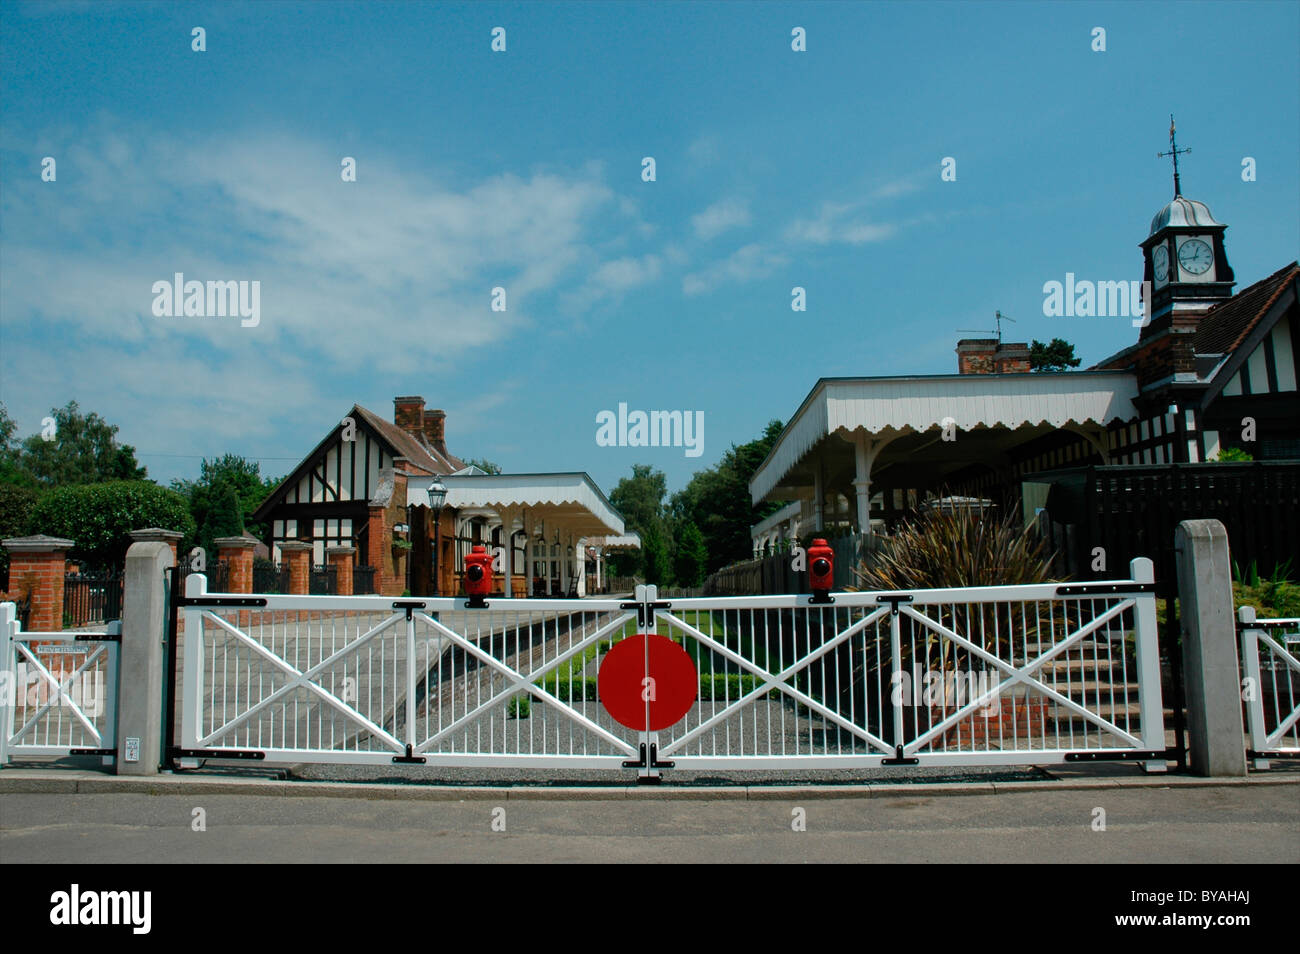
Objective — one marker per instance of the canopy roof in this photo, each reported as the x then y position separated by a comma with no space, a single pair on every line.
991,413
571,500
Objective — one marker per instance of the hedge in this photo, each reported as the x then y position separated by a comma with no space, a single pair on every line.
100,517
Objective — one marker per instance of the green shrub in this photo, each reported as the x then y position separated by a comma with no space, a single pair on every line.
16,504
1230,455
99,518
519,707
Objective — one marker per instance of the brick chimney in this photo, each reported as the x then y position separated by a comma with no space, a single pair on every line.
1012,358
975,355
408,414
989,356
435,430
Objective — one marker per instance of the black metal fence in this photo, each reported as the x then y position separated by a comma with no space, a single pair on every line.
1131,511
776,574
218,575
92,597
270,577
323,581
363,580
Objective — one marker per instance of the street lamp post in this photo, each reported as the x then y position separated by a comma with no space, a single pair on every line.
437,497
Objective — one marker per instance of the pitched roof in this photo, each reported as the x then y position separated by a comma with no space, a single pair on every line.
407,445
1227,325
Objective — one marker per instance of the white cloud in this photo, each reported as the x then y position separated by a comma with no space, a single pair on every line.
745,264
834,223
613,278
719,217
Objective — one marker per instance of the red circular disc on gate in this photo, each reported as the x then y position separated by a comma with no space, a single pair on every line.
670,686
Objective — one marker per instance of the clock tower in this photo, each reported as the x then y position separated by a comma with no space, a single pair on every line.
1185,261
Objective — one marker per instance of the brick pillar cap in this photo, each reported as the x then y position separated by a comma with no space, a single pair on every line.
292,546
235,543
332,551
150,534
37,544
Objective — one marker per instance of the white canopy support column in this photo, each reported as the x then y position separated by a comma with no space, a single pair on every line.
528,552
865,451
566,551
508,516
819,498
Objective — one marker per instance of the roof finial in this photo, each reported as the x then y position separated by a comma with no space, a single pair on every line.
1175,152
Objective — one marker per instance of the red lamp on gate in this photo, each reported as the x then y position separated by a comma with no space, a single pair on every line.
821,571
478,575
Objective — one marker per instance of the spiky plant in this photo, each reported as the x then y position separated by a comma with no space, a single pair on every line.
959,547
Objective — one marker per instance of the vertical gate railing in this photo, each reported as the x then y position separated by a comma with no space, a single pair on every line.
58,691
1270,655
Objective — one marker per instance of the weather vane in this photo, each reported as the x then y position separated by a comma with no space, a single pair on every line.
1175,152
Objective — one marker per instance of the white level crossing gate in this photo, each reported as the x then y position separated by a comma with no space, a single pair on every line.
1021,675
58,691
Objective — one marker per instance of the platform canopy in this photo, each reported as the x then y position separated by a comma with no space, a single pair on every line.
850,432
569,500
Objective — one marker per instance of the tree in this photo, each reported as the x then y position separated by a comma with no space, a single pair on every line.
1056,356
483,464
99,517
223,520
691,556
718,502
640,499
16,505
232,472
11,471
78,449
655,555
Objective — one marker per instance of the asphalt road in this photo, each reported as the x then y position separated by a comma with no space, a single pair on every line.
1242,823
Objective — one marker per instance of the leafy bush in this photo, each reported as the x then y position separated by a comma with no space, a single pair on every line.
1229,455
99,518
1274,597
16,505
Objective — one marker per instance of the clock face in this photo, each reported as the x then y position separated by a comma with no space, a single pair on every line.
1160,261
1195,257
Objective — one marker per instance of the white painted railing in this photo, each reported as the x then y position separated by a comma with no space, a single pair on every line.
1270,654
1034,674
58,692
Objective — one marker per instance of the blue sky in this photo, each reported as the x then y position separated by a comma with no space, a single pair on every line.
522,170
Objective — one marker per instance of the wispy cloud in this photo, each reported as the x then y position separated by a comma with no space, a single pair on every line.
745,264
838,223
613,278
719,217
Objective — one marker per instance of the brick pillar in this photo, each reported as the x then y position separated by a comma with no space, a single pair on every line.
158,535
341,559
298,556
237,553
37,565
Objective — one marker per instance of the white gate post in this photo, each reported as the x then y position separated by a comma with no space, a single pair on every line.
1255,700
1216,734
8,677
1150,700
140,657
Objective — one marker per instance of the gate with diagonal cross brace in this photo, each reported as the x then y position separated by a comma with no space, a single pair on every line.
1012,675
